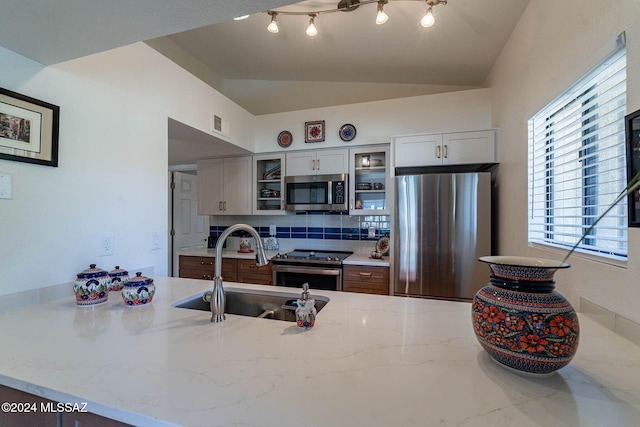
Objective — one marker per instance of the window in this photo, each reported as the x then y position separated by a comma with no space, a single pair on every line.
577,164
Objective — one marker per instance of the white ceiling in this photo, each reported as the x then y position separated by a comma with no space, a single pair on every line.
350,60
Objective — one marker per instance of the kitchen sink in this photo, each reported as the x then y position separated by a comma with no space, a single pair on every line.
249,302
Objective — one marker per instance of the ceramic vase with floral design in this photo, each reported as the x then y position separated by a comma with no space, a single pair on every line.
520,320
138,290
119,277
91,286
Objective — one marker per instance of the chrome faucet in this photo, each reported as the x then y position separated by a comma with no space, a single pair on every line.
216,295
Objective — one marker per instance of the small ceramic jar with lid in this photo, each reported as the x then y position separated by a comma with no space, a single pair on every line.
119,277
138,290
92,286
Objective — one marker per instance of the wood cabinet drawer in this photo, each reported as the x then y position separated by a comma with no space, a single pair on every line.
203,262
249,266
366,288
195,273
202,267
365,279
366,274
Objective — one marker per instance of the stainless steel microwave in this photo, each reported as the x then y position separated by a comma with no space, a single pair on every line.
316,192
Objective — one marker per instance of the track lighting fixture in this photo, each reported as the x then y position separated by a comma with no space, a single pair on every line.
349,6
273,26
428,20
381,17
311,29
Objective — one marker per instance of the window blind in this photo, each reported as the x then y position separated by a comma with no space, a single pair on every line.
577,163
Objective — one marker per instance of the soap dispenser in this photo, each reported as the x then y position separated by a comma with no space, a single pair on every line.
306,310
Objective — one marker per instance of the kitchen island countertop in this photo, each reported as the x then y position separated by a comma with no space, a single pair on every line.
370,360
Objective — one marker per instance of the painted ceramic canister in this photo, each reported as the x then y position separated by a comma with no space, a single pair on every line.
91,286
520,320
119,277
138,290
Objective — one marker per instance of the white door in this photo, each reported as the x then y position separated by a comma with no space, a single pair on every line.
190,229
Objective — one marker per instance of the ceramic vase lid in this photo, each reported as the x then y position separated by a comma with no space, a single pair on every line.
117,272
139,280
91,272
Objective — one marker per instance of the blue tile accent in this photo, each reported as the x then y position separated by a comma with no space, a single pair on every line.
316,233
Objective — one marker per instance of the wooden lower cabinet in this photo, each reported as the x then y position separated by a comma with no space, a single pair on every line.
43,412
365,279
233,269
203,267
249,272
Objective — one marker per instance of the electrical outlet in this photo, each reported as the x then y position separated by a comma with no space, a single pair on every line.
106,245
155,240
272,230
6,186
372,232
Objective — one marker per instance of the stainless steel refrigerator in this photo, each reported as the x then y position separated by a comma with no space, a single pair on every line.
442,226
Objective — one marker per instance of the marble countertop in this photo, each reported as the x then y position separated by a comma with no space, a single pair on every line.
370,360
364,259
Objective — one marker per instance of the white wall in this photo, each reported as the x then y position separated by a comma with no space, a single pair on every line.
376,121
112,174
554,44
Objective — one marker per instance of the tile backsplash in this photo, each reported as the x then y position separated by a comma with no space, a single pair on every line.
319,226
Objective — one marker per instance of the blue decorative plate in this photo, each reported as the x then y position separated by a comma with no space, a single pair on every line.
347,132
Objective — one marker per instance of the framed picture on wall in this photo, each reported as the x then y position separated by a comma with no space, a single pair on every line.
314,131
632,124
28,129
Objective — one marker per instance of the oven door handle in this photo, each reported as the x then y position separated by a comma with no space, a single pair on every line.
308,270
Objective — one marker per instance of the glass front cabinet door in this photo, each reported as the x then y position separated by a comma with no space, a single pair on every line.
369,180
268,194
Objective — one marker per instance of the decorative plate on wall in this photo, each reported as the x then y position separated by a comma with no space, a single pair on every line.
382,245
347,132
285,139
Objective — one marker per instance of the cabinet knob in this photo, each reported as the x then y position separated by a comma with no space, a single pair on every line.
206,263
366,273
318,164
438,152
313,165
445,150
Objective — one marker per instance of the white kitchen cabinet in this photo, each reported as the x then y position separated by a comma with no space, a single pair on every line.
268,188
321,162
445,148
224,186
369,180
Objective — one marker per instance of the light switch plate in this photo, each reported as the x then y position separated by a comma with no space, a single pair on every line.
155,240
6,186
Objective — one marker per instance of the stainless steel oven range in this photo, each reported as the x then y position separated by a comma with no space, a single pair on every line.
321,269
